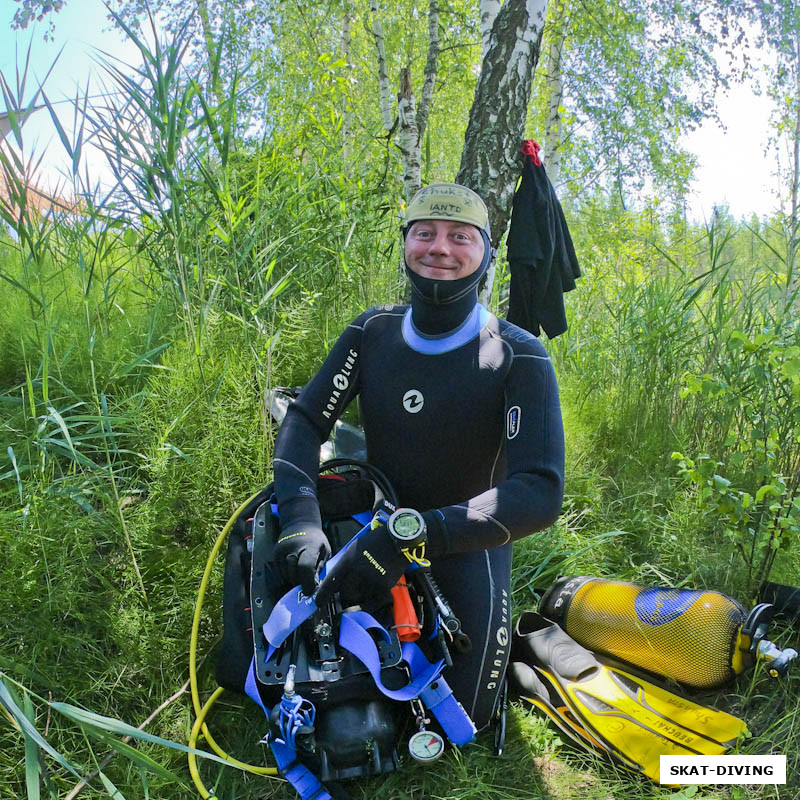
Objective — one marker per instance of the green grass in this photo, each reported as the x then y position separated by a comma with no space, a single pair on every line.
139,342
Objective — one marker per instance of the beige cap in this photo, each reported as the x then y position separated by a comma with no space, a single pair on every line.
448,201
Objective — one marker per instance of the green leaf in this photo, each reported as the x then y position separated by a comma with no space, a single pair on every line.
145,359
7,701
768,489
134,755
10,452
737,340
110,725
112,790
721,484
33,766
17,285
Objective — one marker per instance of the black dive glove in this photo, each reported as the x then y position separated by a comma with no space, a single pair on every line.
366,572
299,555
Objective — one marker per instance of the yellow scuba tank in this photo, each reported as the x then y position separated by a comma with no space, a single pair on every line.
698,638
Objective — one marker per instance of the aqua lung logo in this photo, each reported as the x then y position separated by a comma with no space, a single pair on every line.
501,651
512,421
413,401
341,380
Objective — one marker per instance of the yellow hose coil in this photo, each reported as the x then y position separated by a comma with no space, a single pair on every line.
201,712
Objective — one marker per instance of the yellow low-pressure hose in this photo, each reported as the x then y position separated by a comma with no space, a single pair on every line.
201,712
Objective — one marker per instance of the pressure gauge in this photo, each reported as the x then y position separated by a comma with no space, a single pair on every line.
408,527
425,746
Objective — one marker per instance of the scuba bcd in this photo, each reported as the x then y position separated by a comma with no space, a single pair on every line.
329,679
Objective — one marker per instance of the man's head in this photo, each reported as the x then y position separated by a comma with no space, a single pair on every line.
447,233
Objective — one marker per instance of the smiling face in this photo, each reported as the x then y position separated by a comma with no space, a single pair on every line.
443,250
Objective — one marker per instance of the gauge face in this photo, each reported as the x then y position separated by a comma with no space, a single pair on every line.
425,746
407,524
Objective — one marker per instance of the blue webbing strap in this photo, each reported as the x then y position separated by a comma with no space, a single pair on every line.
426,681
353,636
300,777
291,611
294,608
456,723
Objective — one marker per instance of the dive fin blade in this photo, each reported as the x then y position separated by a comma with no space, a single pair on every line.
633,720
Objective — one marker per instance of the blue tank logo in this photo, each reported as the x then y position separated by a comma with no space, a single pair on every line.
512,421
660,606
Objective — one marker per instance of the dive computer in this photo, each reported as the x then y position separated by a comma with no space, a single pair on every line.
407,528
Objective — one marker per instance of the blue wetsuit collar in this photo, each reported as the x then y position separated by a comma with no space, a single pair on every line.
444,343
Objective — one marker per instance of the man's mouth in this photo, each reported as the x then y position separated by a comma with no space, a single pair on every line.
438,266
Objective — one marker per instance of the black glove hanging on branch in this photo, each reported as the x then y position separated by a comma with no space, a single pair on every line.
366,571
299,555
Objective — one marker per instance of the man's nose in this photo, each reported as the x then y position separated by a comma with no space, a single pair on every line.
440,243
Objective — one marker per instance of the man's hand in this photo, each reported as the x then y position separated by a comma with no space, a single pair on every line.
299,556
366,572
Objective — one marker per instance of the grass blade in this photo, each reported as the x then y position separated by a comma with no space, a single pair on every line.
16,472
88,719
132,754
18,285
32,765
7,701
112,790
145,359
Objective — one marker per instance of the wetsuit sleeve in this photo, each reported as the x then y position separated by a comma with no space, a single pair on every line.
308,424
529,499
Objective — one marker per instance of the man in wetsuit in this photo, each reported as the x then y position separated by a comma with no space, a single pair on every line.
461,412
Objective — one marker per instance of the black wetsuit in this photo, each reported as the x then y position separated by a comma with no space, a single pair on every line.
467,427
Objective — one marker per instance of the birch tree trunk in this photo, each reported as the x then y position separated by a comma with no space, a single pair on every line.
408,136
411,121
555,101
489,10
558,28
431,68
383,75
491,161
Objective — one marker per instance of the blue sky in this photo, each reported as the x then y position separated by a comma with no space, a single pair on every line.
733,167
81,29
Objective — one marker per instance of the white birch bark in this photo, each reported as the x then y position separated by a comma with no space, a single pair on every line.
555,100
489,9
383,76
431,68
491,161
412,121
408,136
